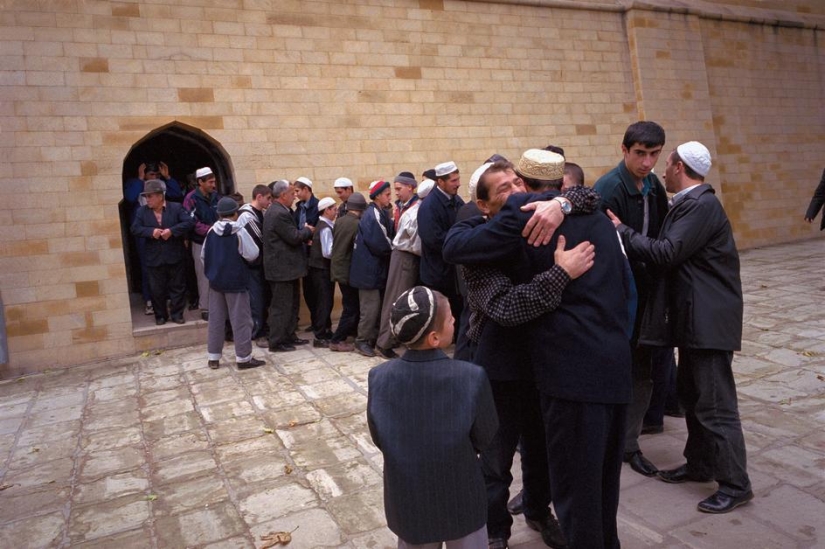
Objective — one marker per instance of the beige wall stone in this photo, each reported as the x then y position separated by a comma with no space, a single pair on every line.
367,89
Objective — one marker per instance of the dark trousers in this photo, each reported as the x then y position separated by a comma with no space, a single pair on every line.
585,442
258,301
310,297
642,388
663,372
715,445
167,282
324,291
351,310
519,415
283,311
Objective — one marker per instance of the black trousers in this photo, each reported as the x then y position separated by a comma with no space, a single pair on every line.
167,282
519,416
283,311
310,297
715,445
642,389
585,442
351,310
323,290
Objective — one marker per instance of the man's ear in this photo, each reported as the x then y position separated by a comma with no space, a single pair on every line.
482,205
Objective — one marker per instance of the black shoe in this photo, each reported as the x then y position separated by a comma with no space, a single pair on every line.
640,464
550,530
205,315
281,348
251,363
720,503
297,341
363,348
516,505
680,475
497,543
320,343
386,353
213,364
178,320
652,429
160,321
674,412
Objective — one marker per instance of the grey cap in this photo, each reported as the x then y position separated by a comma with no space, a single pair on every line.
227,206
152,186
357,202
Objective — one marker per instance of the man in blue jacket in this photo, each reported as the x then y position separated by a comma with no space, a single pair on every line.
696,305
371,264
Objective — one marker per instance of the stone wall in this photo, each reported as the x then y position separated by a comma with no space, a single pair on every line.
367,89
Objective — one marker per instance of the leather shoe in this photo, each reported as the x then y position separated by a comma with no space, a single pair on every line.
213,364
251,363
160,321
320,343
281,348
364,348
341,347
640,463
680,475
516,505
497,543
178,320
386,353
262,342
295,340
549,529
720,503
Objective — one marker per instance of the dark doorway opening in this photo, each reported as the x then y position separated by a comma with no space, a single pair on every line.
184,149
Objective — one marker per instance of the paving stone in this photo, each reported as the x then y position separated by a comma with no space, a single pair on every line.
57,472
47,450
199,526
104,462
47,417
108,517
738,529
71,397
109,394
13,394
310,377
646,499
179,443
792,464
790,510
168,426
361,512
264,382
264,445
345,404
226,410
183,466
109,440
235,430
40,531
139,538
17,409
215,392
312,528
231,543
274,501
255,469
112,486
278,400
151,384
166,409
102,421
174,498
286,418
380,538
345,478
19,502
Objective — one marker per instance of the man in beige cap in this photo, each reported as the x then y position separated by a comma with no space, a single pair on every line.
697,306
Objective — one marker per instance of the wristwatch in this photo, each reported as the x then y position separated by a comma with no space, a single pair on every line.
566,206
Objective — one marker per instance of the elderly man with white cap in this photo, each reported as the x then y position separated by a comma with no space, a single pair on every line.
696,305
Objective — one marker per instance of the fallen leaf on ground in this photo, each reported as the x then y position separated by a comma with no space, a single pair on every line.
276,538
151,497
820,377
288,469
268,431
293,423
144,354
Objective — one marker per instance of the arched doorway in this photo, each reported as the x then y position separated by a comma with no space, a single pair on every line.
184,149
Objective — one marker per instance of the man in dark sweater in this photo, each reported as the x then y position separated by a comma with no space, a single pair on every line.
343,240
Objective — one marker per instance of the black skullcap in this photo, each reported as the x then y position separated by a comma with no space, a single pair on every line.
412,313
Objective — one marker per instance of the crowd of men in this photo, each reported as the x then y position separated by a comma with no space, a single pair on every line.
574,326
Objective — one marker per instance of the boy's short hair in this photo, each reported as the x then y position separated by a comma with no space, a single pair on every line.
575,172
414,315
646,132
259,190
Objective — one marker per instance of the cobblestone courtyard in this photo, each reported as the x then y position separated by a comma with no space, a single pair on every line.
160,451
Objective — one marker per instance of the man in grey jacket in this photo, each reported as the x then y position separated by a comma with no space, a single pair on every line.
696,305
285,263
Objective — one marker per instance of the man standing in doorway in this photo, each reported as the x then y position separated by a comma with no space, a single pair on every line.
202,205
633,192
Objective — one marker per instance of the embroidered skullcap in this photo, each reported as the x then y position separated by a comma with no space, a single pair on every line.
406,178
305,180
153,186
695,155
412,313
445,168
541,164
378,187
424,188
473,185
203,172
325,203
342,182
357,202
227,206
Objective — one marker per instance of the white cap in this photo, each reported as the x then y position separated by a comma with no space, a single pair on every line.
424,188
445,168
325,203
695,155
342,182
203,172
473,185
305,180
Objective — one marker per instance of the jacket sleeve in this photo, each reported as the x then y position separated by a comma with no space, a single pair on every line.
370,419
470,242
285,228
201,228
182,224
818,199
246,245
376,239
431,225
691,228
485,423
173,189
139,227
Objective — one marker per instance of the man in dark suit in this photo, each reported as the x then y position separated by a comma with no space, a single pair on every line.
816,203
306,213
163,226
285,263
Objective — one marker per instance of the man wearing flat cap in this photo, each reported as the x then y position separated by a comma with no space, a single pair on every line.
696,305
163,226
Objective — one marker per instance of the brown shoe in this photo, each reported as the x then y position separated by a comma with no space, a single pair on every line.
341,347
213,364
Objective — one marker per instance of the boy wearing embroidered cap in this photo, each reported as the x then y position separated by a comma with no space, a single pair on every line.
323,288
430,416
696,305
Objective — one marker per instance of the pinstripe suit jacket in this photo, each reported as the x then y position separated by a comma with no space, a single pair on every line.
431,416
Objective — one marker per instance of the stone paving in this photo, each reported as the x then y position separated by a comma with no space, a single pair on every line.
159,451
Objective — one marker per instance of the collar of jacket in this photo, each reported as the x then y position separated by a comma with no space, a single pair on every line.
424,355
630,184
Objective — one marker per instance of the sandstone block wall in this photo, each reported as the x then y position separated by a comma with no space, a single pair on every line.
367,89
